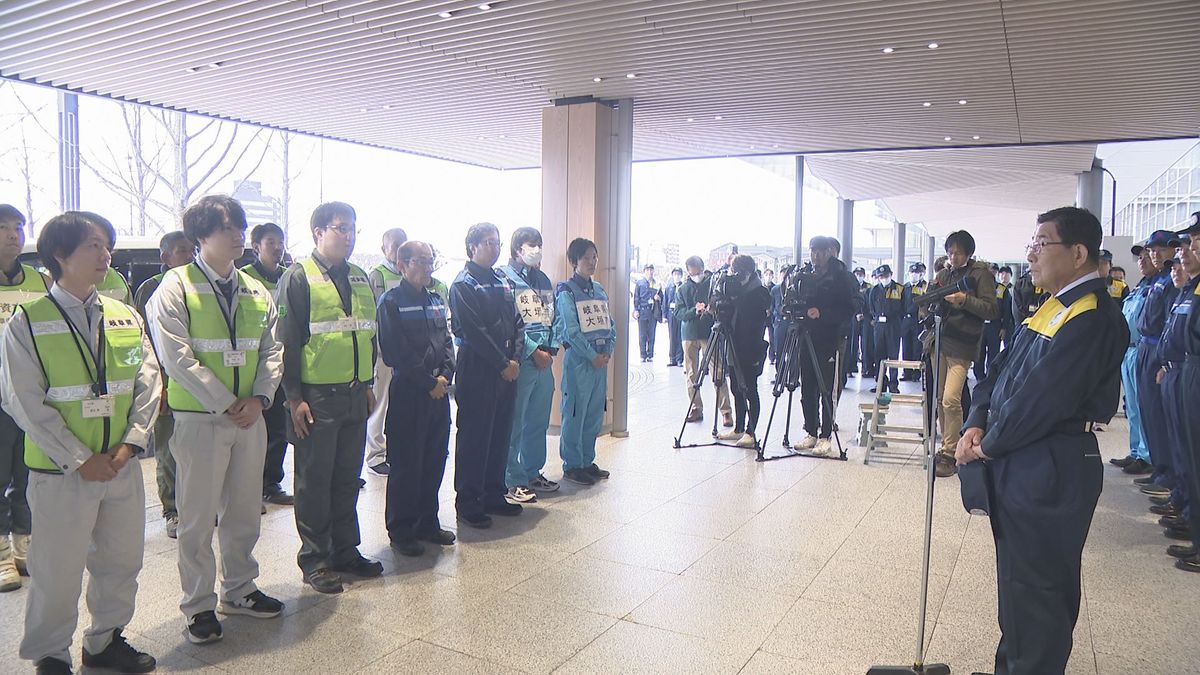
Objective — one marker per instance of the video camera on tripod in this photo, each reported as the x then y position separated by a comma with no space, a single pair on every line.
796,291
720,296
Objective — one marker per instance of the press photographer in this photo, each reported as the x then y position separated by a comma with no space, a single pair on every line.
739,298
963,314
821,298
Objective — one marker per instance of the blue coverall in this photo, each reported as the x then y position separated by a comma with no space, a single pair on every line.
1152,320
585,326
535,386
1172,352
1132,309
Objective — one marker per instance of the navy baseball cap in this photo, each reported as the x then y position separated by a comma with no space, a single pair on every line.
859,270
1157,238
1193,227
916,267
883,270
1106,255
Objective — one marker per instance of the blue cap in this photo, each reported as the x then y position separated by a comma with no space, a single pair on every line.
1193,227
1165,238
883,270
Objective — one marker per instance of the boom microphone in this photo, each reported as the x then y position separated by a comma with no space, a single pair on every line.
965,285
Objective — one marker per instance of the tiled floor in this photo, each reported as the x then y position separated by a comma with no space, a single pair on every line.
689,560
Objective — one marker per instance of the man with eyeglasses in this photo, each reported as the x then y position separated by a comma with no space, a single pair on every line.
1160,296
327,320
415,343
489,331
1028,455
383,278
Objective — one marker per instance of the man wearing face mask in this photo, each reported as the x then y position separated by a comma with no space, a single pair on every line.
911,329
994,329
963,315
535,385
383,278
647,310
697,327
887,313
751,311
674,324
1004,303
860,324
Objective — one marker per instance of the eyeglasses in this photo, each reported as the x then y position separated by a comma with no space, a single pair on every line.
424,262
493,243
1035,247
343,229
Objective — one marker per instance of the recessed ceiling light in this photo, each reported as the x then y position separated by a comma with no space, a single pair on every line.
888,50
503,135
718,117
445,15
362,110
962,101
776,146
387,107
485,7
193,69
631,75
691,119
926,104
482,138
947,138
975,138
933,45
752,147
597,79
215,64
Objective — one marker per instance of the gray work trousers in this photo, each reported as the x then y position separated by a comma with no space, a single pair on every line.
328,463
164,470
219,477
100,526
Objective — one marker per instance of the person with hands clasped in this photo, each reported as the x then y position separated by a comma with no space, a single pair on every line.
214,327
415,343
79,375
489,331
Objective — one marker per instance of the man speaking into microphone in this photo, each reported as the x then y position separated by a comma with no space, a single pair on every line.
1031,426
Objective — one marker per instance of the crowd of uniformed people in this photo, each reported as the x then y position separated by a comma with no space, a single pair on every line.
215,369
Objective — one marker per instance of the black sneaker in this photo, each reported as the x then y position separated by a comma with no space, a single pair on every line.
1178,533
204,628
1167,509
503,509
1176,522
408,547
479,521
579,476
1160,500
596,472
1182,550
1144,480
439,537
257,604
1191,564
324,581
120,656
1138,467
363,567
277,495
53,666
1122,462
1155,490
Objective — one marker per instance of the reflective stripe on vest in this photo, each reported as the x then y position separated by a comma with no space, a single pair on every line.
114,287
208,333
335,338
32,287
390,278
69,377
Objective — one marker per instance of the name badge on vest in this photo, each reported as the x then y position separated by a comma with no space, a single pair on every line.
98,407
1033,308
348,324
882,319
532,307
593,315
235,358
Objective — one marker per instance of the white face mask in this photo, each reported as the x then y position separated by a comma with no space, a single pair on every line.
697,277
531,255
884,281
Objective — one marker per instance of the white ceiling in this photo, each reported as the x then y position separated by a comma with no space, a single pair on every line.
995,193
786,76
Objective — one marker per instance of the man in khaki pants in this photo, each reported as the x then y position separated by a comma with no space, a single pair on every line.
697,326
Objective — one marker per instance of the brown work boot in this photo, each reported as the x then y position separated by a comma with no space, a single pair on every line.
695,416
944,466
726,420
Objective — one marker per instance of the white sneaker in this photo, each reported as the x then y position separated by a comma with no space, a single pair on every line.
20,549
807,444
747,441
520,495
822,447
729,436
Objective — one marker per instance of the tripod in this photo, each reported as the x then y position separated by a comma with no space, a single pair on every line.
719,346
787,376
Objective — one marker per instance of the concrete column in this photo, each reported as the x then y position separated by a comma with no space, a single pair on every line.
68,151
845,229
800,246
1089,190
930,255
587,162
898,253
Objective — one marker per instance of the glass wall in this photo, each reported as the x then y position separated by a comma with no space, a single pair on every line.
1167,203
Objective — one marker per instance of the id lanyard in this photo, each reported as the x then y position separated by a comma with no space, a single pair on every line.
99,381
232,359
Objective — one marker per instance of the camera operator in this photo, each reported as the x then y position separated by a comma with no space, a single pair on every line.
749,312
830,292
963,315
697,326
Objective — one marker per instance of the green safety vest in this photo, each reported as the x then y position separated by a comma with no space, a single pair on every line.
69,377
253,271
32,287
339,345
208,334
114,287
390,278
